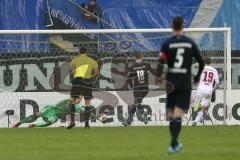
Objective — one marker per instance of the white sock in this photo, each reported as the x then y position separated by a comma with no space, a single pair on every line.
199,116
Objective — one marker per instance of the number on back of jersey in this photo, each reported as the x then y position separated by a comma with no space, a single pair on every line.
208,76
179,58
141,76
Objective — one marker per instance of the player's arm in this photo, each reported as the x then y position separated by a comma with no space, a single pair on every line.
95,69
130,77
198,57
72,67
162,60
215,86
216,80
114,69
152,70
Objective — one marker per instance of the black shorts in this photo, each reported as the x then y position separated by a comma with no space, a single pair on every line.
139,93
83,87
180,99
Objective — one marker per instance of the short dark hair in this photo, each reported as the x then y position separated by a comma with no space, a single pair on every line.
177,23
82,50
207,60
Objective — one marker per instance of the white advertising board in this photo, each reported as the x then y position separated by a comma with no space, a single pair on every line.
25,103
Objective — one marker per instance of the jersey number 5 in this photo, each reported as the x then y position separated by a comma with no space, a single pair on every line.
179,58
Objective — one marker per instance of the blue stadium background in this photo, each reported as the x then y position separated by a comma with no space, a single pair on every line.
25,14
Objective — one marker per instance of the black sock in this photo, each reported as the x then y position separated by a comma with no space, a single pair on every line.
171,125
140,108
175,128
72,112
87,114
131,112
140,112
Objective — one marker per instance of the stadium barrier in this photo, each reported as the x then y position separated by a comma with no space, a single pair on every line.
25,103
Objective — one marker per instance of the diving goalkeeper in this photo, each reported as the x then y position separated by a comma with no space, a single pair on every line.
50,114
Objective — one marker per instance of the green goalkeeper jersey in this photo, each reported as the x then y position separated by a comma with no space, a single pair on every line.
51,113
61,109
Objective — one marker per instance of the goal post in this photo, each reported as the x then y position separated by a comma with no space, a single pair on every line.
228,73
36,62
100,31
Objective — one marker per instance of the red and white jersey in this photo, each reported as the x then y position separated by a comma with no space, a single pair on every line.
209,79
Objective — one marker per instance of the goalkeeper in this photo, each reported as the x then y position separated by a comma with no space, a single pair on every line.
50,114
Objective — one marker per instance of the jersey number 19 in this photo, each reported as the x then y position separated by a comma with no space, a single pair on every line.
208,76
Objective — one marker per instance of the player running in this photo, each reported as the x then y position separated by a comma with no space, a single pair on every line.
51,113
178,52
208,83
138,81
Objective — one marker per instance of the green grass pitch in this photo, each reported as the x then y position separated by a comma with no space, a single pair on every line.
119,143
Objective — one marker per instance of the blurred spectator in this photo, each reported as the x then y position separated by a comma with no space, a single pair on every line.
92,12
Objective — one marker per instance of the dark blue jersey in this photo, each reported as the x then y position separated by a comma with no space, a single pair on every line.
178,53
138,74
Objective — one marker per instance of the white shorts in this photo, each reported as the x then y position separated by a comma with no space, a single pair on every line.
203,98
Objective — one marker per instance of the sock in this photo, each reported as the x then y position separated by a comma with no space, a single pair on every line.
140,112
171,125
175,128
131,112
140,108
199,116
29,119
87,114
72,112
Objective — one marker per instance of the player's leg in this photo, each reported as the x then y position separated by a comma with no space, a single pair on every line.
132,109
199,116
49,116
141,110
51,119
196,104
28,119
87,90
87,112
171,97
175,125
175,128
181,105
205,102
87,93
73,101
131,112
75,93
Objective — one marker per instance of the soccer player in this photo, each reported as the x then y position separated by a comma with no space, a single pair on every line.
208,83
84,70
138,81
177,53
50,114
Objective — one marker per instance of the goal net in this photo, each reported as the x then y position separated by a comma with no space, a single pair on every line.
34,71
